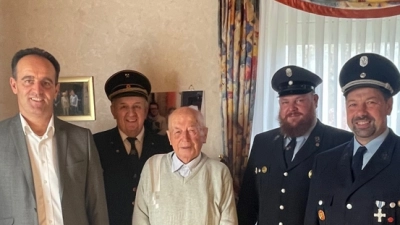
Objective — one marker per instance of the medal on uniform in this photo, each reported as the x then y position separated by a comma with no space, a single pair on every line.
321,215
379,214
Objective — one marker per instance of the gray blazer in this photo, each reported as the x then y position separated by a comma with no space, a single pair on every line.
81,182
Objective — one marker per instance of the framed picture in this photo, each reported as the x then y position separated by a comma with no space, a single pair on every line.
75,100
192,99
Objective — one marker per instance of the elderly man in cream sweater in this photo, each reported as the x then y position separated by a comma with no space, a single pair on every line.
185,186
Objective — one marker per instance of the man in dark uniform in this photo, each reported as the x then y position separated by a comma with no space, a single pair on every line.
275,184
124,149
358,183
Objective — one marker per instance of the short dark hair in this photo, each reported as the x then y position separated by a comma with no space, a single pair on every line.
34,51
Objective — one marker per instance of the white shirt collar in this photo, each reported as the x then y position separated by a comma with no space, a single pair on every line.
139,137
27,129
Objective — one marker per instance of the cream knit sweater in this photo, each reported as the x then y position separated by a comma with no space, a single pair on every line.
205,197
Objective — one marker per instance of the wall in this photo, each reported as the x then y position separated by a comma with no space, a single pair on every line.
173,42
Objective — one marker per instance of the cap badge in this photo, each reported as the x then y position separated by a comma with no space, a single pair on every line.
363,75
128,85
289,72
363,61
290,82
127,75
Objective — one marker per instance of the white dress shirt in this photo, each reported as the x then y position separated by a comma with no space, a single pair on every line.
372,146
46,175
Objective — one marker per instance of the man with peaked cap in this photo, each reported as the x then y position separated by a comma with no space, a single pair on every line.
358,183
124,149
275,184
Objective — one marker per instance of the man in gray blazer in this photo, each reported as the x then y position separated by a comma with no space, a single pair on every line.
50,171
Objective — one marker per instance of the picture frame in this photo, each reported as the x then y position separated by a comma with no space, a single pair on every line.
75,99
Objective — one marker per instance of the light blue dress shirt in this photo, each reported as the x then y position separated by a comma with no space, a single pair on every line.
372,146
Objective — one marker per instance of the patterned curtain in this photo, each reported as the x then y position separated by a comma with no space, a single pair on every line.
238,39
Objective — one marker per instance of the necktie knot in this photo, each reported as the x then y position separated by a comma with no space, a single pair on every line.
132,140
292,144
361,150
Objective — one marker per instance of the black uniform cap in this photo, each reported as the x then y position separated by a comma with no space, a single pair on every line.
370,70
294,80
127,83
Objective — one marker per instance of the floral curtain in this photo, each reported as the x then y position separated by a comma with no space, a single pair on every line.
238,39
347,8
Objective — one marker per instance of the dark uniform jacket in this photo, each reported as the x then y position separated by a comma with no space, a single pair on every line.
335,199
272,193
121,173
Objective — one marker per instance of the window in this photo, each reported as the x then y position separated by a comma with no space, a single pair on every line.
322,45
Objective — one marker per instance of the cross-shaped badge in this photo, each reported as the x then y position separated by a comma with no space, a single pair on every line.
379,215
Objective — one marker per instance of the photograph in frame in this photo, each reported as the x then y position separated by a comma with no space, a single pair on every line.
75,99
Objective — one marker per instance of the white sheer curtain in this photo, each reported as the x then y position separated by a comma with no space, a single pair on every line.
322,45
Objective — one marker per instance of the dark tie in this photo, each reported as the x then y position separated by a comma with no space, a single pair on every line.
134,152
358,161
289,150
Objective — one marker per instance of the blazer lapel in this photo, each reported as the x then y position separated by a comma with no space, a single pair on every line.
310,146
18,138
115,142
379,161
278,143
62,149
344,165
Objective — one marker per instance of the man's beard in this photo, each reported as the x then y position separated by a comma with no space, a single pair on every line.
300,128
